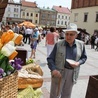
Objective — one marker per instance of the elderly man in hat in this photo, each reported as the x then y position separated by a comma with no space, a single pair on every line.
64,63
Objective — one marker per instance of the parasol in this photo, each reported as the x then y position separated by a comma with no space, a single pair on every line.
28,24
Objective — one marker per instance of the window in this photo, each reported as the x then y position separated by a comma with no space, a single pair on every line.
31,14
8,15
65,23
85,17
58,22
58,16
8,9
53,23
61,22
97,17
15,15
53,16
65,17
36,15
35,21
23,14
75,17
27,14
49,16
62,17
43,16
15,9
48,23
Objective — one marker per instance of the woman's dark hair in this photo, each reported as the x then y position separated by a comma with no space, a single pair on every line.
52,29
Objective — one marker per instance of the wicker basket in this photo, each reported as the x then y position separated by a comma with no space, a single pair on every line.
9,86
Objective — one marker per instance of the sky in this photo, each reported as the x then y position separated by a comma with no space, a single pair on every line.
50,3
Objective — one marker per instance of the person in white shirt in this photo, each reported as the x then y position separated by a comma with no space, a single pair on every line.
96,43
28,33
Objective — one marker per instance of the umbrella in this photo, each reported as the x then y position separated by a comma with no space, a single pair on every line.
28,24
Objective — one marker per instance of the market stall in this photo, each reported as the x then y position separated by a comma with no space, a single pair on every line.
9,65
17,81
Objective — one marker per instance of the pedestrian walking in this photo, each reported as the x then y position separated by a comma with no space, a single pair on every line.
33,45
96,43
64,63
16,28
50,40
92,41
28,33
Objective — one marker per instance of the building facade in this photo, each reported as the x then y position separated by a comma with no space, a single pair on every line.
29,10
63,16
12,11
58,16
47,17
85,14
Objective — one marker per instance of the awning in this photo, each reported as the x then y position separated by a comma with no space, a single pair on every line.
83,30
27,24
3,4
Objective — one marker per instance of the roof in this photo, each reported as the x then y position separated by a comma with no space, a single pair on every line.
61,9
28,4
3,4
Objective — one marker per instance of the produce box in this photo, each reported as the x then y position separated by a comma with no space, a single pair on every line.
22,53
92,89
9,86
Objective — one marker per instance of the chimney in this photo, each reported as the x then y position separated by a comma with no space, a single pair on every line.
60,6
34,2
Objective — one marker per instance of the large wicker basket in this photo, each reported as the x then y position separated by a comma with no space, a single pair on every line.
9,86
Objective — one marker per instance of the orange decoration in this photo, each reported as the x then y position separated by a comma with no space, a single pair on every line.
18,39
6,37
13,55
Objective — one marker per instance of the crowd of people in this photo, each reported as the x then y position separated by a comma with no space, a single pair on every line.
33,36
64,57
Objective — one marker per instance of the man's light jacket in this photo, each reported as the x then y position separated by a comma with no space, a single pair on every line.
60,57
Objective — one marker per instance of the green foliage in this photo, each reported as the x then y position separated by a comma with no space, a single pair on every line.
29,61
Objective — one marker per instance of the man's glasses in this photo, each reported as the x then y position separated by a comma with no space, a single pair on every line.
69,34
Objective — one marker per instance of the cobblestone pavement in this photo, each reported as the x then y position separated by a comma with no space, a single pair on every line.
87,69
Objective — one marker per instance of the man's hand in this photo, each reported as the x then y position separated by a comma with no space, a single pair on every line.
56,73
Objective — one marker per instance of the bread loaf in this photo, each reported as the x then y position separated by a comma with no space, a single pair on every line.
25,82
38,70
35,68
